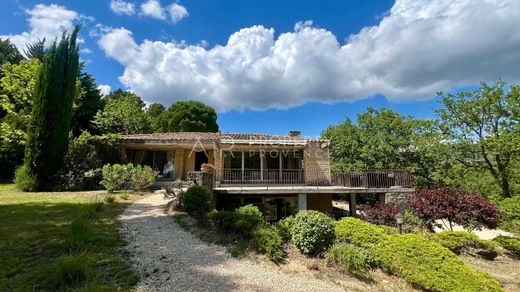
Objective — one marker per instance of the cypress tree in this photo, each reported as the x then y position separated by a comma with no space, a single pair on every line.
48,133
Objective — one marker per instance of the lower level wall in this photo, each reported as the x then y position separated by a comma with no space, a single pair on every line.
398,198
320,202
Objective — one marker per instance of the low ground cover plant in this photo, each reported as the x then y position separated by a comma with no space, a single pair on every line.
461,241
421,261
512,244
350,258
266,240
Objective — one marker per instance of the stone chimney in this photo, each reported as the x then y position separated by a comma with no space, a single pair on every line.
295,134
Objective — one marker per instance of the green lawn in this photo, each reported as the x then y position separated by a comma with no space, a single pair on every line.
41,250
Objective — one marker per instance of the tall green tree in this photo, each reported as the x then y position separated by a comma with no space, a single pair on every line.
188,116
87,103
122,113
16,90
483,126
53,98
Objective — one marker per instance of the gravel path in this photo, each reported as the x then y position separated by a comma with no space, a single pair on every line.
171,259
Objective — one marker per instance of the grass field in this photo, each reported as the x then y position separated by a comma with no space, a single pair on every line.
62,241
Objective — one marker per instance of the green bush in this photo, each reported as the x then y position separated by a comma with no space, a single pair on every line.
249,218
265,239
223,220
312,232
512,244
125,196
284,227
460,241
68,272
142,178
197,201
350,258
359,232
24,180
85,157
116,176
429,265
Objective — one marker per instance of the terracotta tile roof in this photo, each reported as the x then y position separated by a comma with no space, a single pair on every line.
210,137
171,137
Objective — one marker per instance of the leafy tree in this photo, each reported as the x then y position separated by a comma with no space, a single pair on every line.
154,112
123,113
16,89
52,111
35,50
456,206
384,139
8,53
483,127
87,103
188,116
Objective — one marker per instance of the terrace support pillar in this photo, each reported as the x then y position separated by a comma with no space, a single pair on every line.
243,155
352,205
302,202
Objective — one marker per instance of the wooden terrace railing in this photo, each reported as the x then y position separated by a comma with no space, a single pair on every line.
288,177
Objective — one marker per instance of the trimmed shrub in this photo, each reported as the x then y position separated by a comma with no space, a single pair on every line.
358,232
197,201
312,232
350,258
249,218
284,227
382,214
266,240
429,265
142,178
24,180
117,176
460,241
68,272
512,244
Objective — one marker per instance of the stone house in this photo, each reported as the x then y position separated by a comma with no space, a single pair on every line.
280,174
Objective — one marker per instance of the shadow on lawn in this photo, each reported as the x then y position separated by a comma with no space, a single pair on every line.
34,238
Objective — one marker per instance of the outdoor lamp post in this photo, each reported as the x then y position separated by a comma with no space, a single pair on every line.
400,220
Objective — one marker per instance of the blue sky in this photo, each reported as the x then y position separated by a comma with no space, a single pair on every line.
275,66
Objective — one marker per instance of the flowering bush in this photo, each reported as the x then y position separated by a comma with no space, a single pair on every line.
455,206
382,214
207,167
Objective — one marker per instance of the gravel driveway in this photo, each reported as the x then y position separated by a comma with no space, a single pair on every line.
171,259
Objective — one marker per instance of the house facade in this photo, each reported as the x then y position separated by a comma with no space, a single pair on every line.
280,174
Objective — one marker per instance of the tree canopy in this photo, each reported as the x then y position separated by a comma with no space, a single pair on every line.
123,113
187,116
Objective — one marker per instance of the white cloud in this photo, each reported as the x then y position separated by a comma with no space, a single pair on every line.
153,9
122,7
177,12
104,89
85,51
46,21
419,48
